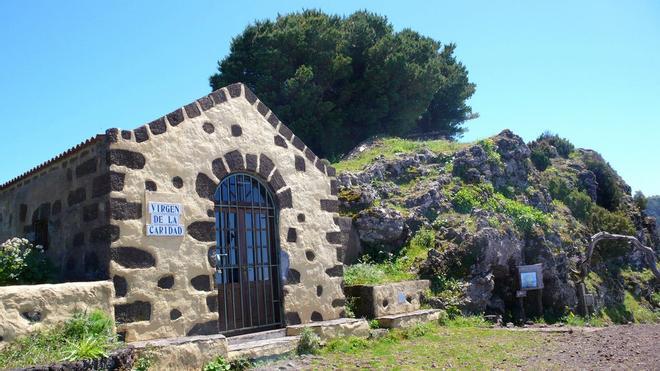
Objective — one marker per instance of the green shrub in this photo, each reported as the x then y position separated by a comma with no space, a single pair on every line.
640,200
309,342
363,274
540,159
603,220
23,263
580,205
608,194
144,360
525,217
558,187
374,324
218,364
82,337
563,146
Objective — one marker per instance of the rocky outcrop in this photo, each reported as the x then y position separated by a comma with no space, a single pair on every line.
381,228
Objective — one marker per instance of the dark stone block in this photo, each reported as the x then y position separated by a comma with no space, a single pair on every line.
205,186
208,127
249,95
177,182
266,166
206,328
309,254
77,196
212,303
121,286
120,209
276,181
201,283
202,231
316,317
132,312
158,126
175,314
285,200
210,213
236,130
112,135
286,132
300,163
298,143
291,235
234,90
330,170
86,168
78,239
293,318
319,290
122,157
338,303
132,257
292,277
219,169
263,110
331,206
251,162
166,282
192,110
280,141
235,160
334,187
219,96
126,134
333,237
22,213
57,207
205,102
210,255
310,155
320,165
175,117
150,185
106,183
336,271
301,218
90,212
273,120
141,134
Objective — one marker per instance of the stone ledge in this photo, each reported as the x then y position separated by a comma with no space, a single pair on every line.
333,328
184,353
263,349
409,319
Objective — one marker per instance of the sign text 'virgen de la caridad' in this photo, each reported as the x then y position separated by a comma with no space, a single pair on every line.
164,219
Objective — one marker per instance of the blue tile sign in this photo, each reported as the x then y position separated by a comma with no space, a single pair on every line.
531,276
164,219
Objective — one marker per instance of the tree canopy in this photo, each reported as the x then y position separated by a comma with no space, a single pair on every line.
336,81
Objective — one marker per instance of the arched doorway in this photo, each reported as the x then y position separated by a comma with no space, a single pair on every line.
247,255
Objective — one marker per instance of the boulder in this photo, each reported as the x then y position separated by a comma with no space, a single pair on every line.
382,228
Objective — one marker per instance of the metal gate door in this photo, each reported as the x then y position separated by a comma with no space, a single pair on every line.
247,256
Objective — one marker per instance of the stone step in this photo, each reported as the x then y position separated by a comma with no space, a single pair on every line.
264,335
408,319
333,328
263,349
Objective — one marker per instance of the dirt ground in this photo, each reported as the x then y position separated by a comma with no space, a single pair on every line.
631,347
626,347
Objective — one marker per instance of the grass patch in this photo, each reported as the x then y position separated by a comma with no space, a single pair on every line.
461,346
84,336
390,147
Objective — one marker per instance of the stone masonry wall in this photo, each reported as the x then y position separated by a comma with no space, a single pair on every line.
70,194
164,285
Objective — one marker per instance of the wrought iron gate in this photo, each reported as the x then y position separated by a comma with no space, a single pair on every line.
247,256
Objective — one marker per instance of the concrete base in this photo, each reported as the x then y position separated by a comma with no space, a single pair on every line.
183,353
334,328
409,319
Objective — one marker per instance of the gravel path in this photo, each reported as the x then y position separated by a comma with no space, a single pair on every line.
631,347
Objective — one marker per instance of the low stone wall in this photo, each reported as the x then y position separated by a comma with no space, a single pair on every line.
184,353
27,308
392,298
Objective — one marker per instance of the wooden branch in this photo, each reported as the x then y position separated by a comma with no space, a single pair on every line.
585,265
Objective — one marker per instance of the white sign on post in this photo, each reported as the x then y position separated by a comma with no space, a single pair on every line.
164,219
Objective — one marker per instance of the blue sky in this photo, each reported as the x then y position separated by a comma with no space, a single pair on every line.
588,70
